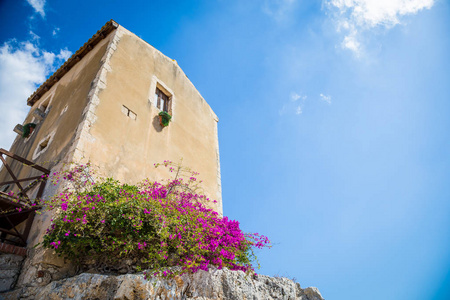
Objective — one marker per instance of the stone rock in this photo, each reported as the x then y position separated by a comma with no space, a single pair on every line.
43,266
214,284
8,261
313,293
10,266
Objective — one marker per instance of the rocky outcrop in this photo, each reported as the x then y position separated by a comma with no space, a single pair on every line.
10,265
215,284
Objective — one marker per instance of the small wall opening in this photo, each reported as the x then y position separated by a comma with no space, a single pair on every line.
128,112
45,104
43,145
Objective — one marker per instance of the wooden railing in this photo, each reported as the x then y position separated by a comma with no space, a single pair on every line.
15,209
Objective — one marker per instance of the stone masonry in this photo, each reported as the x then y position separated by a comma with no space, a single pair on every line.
10,265
215,284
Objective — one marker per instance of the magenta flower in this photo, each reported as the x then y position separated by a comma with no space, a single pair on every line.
160,224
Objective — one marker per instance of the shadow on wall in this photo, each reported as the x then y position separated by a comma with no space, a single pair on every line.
156,124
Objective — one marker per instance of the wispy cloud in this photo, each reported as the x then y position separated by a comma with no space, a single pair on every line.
38,6
296,97
23,66
279,9
55,31
355,17
295,105
326,98
34,36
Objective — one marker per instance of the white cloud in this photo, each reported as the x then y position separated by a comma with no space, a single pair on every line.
64,54
296,97
38,6
372,13
48,58
295,105
354,17
351,42
23,66
55,31
325,98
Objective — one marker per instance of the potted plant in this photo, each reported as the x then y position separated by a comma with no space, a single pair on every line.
28,129
164,118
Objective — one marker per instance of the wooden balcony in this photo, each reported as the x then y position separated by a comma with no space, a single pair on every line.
17,210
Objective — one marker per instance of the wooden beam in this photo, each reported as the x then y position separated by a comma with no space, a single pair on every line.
40,191
11,173
6,200
21,180
18,234
34,208
24,161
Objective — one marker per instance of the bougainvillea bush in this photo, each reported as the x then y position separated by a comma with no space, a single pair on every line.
151,225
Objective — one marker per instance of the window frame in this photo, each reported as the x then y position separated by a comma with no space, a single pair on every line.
155,85
166,100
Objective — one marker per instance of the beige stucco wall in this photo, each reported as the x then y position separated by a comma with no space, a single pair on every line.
128,148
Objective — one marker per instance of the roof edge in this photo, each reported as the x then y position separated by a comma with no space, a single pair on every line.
72,61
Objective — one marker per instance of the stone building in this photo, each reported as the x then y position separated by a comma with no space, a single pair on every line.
103,105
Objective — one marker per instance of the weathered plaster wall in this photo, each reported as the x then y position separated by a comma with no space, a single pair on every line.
66,102
127,148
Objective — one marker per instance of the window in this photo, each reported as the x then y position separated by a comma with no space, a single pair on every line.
162,101
161,96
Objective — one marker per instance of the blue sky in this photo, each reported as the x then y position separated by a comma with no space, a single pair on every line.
334,123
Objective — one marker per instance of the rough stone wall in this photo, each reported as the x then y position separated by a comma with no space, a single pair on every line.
10,265
215,284
43,266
